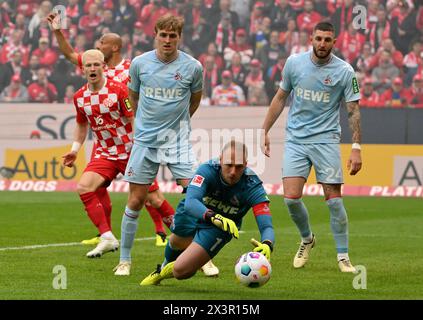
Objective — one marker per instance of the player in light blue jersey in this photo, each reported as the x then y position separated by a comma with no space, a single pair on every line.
165,90
318,81
220,194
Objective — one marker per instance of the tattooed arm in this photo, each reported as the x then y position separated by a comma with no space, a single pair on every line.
354,162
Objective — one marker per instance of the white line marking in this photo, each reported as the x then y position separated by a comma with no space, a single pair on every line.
68,244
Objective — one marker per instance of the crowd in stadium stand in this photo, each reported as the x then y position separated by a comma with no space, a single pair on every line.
242,44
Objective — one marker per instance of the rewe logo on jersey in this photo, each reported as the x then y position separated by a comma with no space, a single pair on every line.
315,96
167,93
98,120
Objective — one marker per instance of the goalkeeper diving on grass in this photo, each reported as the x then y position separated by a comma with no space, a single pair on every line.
219,195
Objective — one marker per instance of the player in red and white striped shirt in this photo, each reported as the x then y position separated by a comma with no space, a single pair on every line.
117,69
103,106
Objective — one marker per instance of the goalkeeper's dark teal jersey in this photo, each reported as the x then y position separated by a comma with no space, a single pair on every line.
208,191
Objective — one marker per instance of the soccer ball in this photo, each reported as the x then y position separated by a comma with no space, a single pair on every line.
252,269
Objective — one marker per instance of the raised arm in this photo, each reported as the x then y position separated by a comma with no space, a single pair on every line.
64,45
354,162
276,107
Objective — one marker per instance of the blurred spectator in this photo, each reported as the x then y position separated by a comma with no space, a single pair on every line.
255,85
74,10
303,45
69,93
274,74
149,15
255,75
15,92
42,90
228,94
297,5
260,38
90,22
5,19
125,17
7,70
413,61
309,18
227,13
343,16
238,71
256,17
381,30
224,32
291,36
396,96
14,43
350,43
39,16
419,18
372,12
197,29
48,57
257,95
388,45
212,51
281,14
364,60
139,39
369,97
211,75
268,54
29,74
403,26
242,8
241,46
102,4
108,23
415,93
384,73
127,47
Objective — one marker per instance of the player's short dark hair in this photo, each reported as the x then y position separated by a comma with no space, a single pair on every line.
324,26
170,22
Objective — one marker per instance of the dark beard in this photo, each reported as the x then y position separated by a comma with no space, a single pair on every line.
320,57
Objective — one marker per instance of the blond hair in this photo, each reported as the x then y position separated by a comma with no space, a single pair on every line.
170,22
92,53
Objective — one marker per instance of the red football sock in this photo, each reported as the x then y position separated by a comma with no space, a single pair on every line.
95,211
157,219
103,196
167,212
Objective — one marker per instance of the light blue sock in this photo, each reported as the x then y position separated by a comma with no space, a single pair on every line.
339,224
299,215
128,230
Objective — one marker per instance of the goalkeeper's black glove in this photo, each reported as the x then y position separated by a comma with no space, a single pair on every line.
223,223
265,247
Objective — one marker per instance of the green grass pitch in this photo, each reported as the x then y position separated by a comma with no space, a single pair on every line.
385,238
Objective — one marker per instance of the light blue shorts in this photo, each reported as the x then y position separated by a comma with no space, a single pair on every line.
144,163
324,157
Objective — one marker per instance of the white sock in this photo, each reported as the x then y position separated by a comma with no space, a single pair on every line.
108,236
308,239
343,256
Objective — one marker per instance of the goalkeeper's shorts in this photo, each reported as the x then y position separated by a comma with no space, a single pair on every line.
208,236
